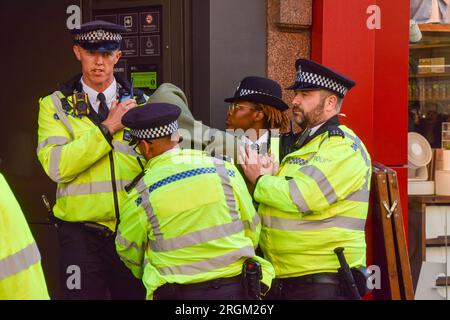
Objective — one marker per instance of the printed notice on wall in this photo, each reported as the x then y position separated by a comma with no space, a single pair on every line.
130,22
149,22
145,80
150,46
130,46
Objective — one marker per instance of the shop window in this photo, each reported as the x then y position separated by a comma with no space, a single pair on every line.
429,70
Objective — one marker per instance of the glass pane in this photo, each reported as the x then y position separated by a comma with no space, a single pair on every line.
429,81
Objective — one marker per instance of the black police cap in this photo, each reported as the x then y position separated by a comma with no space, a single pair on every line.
259,90
99,36
152,121
311,75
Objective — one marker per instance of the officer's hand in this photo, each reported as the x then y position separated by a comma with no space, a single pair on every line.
114,120
250,163
268,164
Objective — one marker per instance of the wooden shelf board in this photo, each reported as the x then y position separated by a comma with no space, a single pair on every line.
429,100
429,46
429,75
430,199
438,242
440,282
434,27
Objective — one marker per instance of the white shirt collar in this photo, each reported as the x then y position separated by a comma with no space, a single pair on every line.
110,94
262,139
314,130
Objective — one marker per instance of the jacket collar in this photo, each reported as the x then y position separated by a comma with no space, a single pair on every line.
74,84
332,123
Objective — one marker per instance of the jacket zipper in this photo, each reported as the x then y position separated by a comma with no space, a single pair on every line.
114,188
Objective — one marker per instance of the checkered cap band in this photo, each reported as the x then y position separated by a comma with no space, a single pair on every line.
155,133
246,92
98,36
318,80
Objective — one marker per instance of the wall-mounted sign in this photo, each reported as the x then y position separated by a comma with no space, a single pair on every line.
150,46
145,80
121,68
130,21
108,18
149,22
130,46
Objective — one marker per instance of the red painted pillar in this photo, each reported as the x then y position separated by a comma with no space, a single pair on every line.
377,60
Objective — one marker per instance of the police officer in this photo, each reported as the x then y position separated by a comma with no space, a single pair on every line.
256,114
189,225
318,199
83,147
21,276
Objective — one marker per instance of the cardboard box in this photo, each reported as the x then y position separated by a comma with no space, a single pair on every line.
424,66
438,65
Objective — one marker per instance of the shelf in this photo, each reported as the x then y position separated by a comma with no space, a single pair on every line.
438,242
434,27
429,46
430,75
429,100
440,282
430,199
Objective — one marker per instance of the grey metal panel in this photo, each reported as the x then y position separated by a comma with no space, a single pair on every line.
229,43
238,49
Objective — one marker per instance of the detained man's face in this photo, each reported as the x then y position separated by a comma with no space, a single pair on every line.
308,108
97,67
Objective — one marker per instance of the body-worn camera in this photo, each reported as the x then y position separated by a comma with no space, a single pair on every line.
80,104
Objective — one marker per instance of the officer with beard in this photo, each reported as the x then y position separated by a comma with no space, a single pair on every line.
318,199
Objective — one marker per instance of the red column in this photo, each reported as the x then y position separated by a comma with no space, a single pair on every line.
377,60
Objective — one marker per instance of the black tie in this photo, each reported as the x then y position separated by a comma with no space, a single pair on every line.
103,107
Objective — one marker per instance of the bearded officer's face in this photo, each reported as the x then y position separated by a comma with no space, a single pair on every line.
97,67
309,108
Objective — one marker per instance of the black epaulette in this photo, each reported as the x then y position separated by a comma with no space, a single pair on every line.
336,132
135,181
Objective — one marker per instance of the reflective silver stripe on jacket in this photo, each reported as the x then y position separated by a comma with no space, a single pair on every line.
309,225
324,185
128,244
358,143
147,206
125,148
359,196
55,159
251,225
134,263
197,237
52,140
89,188
56,99
19,261
227,188
298,198
209,264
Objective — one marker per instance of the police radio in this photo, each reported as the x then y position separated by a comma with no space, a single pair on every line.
80,104
127,95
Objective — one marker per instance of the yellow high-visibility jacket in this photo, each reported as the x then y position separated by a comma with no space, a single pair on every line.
189,220
91,172
317,201
21,275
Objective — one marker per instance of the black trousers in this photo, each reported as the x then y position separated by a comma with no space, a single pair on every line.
311,287
90,266
218,289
